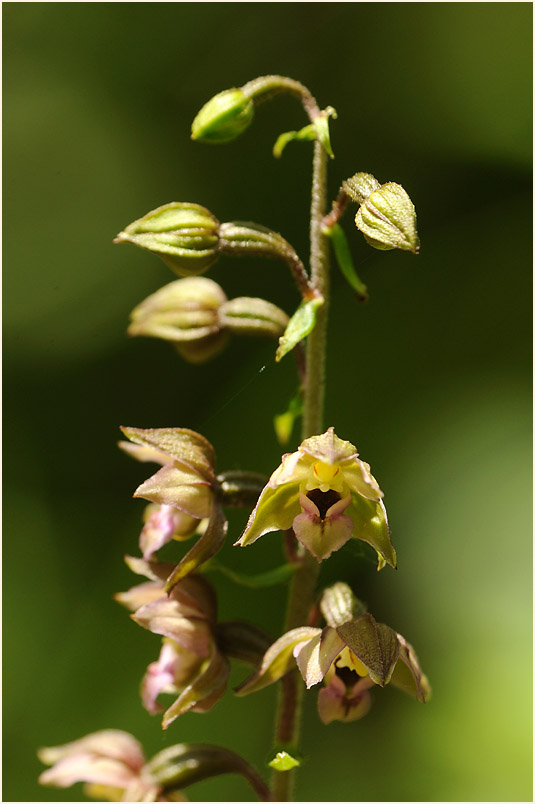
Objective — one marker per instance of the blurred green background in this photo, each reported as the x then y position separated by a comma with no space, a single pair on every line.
431,380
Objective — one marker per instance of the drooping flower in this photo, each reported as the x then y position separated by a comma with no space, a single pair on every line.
193,664
113,766
352,654
326,494
110,762
185,488
190,665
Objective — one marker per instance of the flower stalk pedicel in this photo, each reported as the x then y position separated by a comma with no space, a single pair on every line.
320,497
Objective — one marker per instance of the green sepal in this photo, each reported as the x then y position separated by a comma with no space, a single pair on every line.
182,445
208,545
278,660
276,509
344,259
371,526
203,692
284,758
261,580
284,422
300,325
375,644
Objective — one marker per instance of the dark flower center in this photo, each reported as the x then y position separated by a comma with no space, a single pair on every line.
347,675
323,499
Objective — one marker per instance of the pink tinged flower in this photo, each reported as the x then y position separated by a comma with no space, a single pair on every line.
326,494
111,762
350,655
185,489
163,523
190,665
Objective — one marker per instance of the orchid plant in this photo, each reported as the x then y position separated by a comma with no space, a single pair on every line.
321,496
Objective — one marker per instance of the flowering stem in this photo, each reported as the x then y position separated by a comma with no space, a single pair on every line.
303,584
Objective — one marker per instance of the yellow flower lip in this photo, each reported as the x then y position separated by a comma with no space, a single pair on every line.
325,472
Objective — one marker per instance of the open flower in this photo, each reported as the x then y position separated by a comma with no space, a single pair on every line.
111,762
350,655
184,488
190,665
326,494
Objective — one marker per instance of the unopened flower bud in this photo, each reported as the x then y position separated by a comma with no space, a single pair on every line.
186,313
387,218
183,234
251,316
224,117
359,186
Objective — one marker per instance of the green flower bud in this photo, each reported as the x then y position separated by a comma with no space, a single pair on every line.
387,217
224,117
185,313
359,186
249,316
184,235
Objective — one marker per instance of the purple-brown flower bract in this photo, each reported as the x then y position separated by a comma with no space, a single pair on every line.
326,494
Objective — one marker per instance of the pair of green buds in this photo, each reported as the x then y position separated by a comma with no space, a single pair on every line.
386,215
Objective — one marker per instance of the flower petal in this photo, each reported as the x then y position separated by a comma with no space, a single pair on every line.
375,644
162,524
316,656
174,668
144,454
181,488
112,743
329,448
140,595
335,706
338,605
87,767
185,446
164,617
360,480
207,546
321,537
277,660
371,526
208,685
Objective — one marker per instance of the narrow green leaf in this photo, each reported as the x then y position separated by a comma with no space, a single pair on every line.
345,260
306,133
300,325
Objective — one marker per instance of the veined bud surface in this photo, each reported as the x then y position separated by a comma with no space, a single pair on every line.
186,313
227,115
185,235
387,217
253,316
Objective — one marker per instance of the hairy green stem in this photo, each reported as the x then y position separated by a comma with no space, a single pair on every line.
303,584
